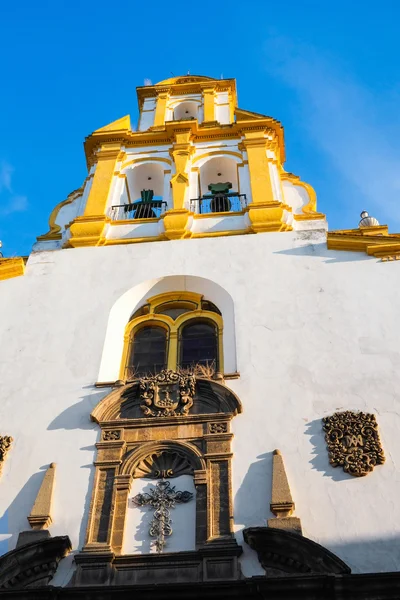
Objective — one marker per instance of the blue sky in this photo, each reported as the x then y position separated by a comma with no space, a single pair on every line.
328,70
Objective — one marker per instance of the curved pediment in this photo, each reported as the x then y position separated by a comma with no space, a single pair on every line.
168,394
282,551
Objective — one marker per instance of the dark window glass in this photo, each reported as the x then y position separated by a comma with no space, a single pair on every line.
148,351
198,344
175,308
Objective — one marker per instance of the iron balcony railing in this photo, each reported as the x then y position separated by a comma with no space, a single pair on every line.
217,203
138,210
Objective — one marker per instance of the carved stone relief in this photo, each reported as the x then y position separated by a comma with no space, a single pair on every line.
112,435
164,465
5,445
165,424
218,427
167,394
353,442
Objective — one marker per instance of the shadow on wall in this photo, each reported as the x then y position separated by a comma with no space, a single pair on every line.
320,462
251,508
251,503
88,497
77,416
14,520
380,555
321,251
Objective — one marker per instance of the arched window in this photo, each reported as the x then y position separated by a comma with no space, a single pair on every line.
148,351
171,331
198,344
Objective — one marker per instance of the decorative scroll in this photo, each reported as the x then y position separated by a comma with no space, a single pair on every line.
162,497
167,394
163,465
5,445
353,442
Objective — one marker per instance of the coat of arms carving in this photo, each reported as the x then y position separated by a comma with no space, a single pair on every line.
353,442
167,394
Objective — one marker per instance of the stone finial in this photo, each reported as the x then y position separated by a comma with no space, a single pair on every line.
282,505
367,220
40,517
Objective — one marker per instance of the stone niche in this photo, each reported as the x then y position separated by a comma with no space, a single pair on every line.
160,428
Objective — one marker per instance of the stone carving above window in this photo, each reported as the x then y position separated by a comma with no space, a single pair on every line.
353,442
163,465
167,394
5,445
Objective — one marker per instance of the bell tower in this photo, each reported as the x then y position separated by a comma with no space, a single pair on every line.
197,166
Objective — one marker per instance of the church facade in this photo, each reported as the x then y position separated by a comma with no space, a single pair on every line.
199,380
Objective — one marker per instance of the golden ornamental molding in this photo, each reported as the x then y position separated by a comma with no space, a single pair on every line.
5,445
164,134
353,442
310,209
374,241
54,232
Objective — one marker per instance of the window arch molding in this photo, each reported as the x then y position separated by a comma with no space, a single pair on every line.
172,326
136,294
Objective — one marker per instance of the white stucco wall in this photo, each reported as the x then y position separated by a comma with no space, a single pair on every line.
147,114
316,331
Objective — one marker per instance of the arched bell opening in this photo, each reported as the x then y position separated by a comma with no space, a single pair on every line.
145,185
219,186
186,110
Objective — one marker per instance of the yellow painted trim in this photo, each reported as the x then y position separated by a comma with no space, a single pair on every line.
192,78
173,103
217,153
134,326
209,104
220,214
260,178
374,241
54,232
159,299
107,159
134,221
311,207
11,267
145,160
161,107
122,124
111,242
172,326
220,233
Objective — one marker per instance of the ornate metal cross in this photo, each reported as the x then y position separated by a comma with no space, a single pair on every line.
162,497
